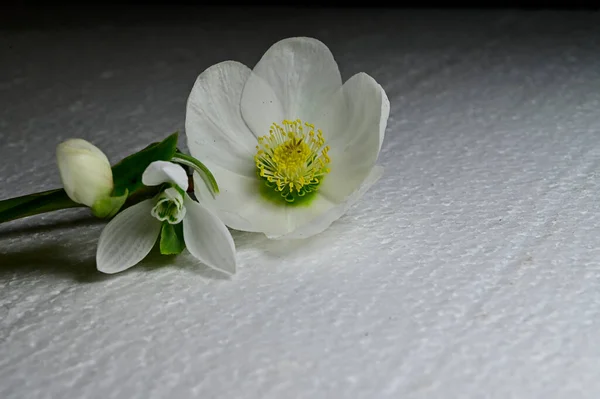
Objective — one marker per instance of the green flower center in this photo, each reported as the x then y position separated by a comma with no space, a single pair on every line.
169,206
292,160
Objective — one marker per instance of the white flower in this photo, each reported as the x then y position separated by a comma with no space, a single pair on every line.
291,147
85,171
132,234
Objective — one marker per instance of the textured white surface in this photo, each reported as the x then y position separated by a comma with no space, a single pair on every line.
470,270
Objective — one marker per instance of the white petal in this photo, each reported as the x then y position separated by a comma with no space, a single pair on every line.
323,221
214,126
261,106
207,238
127,238
241,206
355,145
159,172
239,203
294,79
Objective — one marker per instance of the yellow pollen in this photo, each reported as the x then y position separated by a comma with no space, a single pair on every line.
293,158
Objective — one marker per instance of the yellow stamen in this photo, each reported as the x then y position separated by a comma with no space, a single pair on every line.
291,160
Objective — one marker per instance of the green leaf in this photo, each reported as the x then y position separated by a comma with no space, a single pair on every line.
109,206
34,204
171,239
127,174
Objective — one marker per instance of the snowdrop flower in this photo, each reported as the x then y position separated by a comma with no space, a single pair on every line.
291,147
85,171
131,234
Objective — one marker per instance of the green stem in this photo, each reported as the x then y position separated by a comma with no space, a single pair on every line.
54,200
34,204
199,167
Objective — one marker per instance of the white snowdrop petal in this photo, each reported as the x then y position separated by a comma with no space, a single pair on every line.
207,238
127,238
159,172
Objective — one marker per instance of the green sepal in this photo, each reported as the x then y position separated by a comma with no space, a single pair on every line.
127,174
171,239
109,206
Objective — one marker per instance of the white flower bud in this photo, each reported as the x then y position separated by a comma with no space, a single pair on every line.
85,171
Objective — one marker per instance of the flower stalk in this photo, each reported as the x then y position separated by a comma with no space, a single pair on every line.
35,204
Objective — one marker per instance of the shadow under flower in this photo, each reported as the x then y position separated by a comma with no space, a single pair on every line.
53,258
49,259
72,258
17,228
60,259
57,260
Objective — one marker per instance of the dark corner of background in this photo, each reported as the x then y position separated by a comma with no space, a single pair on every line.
21,14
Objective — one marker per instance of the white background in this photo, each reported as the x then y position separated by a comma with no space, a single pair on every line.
471,270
